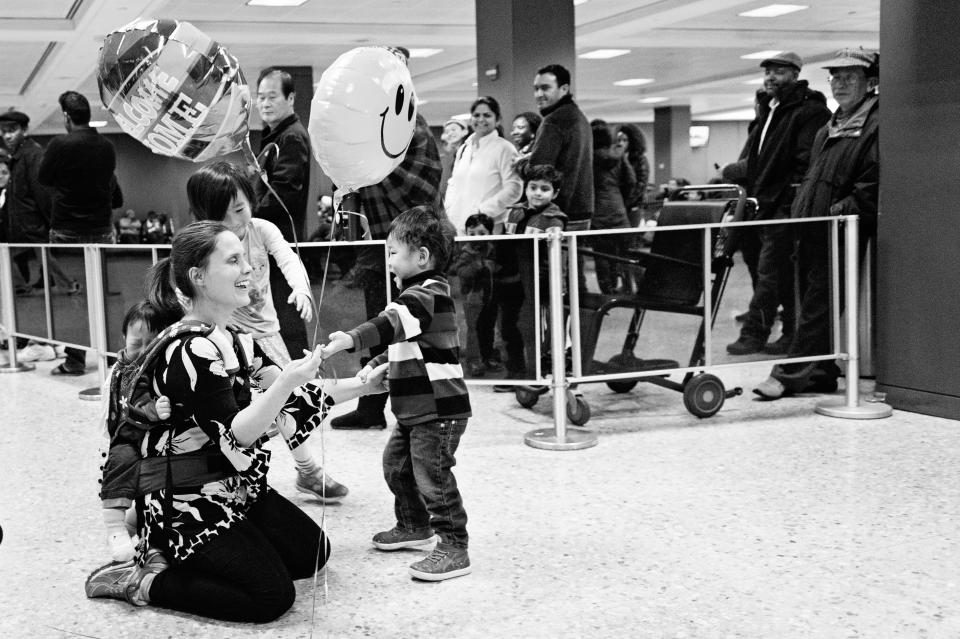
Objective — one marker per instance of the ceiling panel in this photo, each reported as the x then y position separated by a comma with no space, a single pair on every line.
34,9
19,59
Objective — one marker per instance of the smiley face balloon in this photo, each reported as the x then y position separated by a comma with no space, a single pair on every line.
362,117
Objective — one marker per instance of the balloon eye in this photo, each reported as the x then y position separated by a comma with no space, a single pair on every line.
399,105
410,111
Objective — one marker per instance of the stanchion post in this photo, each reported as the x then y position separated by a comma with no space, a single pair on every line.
97,318
9,316
850,407
559,438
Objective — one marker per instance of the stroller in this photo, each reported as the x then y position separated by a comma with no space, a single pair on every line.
669,279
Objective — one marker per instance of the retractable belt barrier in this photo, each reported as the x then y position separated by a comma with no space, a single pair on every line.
58,319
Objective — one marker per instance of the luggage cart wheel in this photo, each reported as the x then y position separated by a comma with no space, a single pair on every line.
578,410
703,395
621,385
527,396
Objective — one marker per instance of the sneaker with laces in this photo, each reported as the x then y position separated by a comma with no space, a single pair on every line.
37,353
445,562
321,486
746,345
116,580
397,538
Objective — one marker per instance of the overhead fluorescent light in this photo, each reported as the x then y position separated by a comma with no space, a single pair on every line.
275,3
653,100
603,54
98,123
773,10
633,82
424,53
760,55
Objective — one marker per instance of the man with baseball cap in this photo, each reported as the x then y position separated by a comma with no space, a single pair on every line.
776,156
843,179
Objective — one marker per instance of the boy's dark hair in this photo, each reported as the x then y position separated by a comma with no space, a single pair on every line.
286,80
544,172
144,311
559,72
479,219
76,106
211,189
420,227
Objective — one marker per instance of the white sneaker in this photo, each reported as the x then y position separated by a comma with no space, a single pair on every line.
37,353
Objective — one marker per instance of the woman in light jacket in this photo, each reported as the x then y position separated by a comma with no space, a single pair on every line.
483,178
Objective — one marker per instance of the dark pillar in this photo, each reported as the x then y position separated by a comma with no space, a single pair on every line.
671,143
918,263
514,39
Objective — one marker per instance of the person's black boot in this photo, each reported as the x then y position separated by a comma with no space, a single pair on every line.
369,414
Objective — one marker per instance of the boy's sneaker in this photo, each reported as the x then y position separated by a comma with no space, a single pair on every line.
37,353
445,562
322,486
397,539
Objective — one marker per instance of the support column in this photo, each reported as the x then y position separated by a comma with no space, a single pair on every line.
671,143
514,39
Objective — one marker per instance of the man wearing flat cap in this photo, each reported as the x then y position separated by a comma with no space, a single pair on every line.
777,154
843,179
28,203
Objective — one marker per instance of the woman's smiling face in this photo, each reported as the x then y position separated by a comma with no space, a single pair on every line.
226,277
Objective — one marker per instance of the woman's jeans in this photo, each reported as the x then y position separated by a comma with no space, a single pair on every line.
417,464
246,573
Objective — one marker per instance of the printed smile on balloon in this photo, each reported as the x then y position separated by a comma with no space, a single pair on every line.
398,127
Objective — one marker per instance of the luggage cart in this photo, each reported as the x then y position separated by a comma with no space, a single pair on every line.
669,280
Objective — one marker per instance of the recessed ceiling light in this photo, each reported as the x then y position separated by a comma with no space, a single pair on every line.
603,54
652,100
275,3
424,53
633,82
98,123
773,10
760,55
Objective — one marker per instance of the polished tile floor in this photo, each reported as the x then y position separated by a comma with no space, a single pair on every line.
766,520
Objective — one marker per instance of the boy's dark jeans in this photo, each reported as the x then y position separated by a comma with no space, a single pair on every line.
417,464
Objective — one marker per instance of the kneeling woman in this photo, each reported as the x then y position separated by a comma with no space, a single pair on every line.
221,543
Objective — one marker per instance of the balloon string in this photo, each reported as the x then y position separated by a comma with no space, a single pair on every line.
317,304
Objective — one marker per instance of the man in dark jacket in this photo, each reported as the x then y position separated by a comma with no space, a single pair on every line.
843,179
288,171
565,142
79,169
27,201
777,156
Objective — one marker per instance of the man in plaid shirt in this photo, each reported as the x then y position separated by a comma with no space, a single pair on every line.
415,182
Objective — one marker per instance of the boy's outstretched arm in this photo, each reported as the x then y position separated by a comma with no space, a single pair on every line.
339,341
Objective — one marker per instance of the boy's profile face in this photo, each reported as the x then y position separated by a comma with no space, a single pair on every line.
406,261
476,230
540,193
138,335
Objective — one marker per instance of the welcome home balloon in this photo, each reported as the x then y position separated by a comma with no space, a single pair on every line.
174,89
362,116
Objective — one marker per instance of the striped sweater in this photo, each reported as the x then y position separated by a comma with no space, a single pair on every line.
420,329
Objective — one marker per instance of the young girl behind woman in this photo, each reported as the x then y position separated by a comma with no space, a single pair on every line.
221,192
